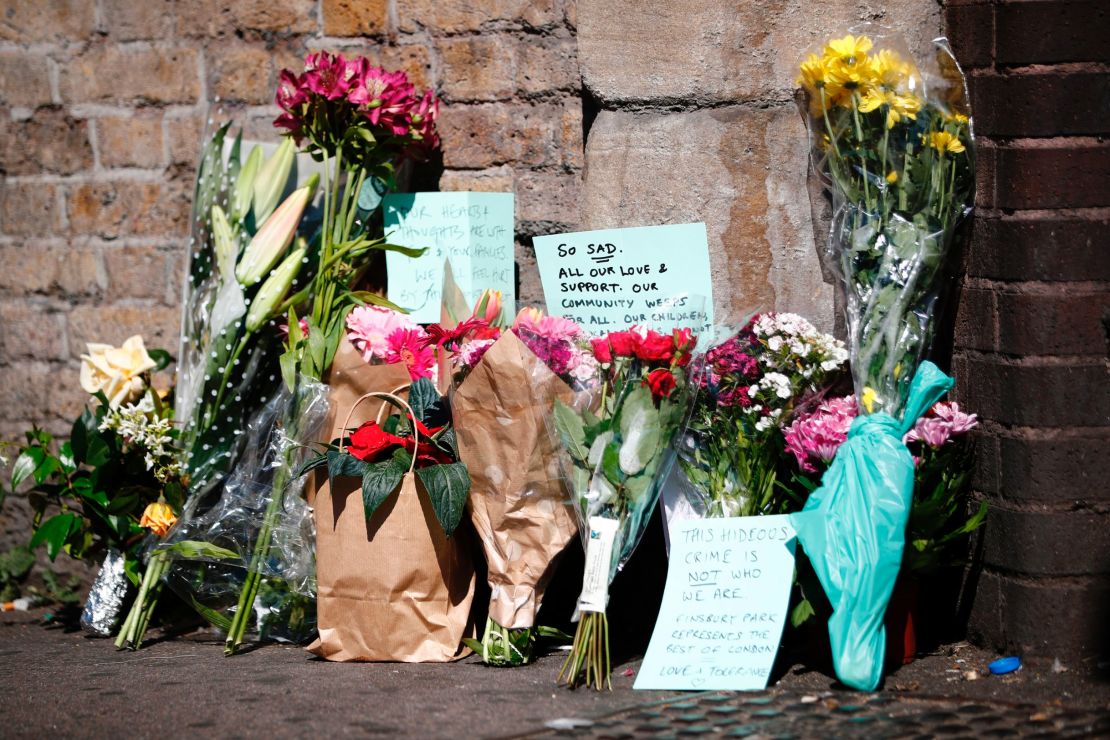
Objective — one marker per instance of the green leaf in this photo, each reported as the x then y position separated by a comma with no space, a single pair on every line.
423,396
637,486
161,357
571,431
800,613
47,468
83,427
217,620
288,364
597,449
25,465
194,549
365,296
123,502
610,464
98,451
344,464
65,457
311,464
407,251
55,531
378,482
447,486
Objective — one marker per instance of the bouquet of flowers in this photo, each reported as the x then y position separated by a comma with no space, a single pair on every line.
383,336
617,443
748,389
504,384
893,147
360,122
117,478
405,471
942,457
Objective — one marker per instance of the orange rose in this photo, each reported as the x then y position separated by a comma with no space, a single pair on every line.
158,518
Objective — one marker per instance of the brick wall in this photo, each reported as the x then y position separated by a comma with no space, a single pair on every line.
102,107
1032,326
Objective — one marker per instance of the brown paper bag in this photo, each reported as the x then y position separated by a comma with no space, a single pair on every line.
517,502
395,588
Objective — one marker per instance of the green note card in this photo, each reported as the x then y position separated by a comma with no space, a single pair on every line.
724,605
473,230
612,279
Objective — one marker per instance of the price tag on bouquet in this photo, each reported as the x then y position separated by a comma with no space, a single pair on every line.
613,279
473,230
724,606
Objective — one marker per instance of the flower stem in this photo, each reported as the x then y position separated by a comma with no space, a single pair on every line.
588,661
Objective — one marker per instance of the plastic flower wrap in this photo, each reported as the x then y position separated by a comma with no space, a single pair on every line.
749,387
505,382
616,440
892,144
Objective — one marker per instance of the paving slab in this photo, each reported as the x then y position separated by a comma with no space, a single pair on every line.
66,684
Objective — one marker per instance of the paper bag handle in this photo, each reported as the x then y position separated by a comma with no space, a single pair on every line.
386,397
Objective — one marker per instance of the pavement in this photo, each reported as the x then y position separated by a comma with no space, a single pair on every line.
66,684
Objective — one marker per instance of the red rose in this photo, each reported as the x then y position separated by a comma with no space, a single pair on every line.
655,347
684,340
661,382
369,441
602,351
624,343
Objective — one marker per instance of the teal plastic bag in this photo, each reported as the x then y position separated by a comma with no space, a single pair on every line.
853,529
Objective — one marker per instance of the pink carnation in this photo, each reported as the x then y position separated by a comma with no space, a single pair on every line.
471,353
369,327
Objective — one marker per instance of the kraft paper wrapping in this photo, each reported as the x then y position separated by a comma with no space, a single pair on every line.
396,588
517,503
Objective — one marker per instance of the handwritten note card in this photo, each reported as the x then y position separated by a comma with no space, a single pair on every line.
724,606
473,230
654,276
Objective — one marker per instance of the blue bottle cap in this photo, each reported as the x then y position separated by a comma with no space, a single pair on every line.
1005,665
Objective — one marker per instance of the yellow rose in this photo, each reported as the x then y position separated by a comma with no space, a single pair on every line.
117,371
158,518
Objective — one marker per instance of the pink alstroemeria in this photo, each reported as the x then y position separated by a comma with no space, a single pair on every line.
327,75
386,98
943,422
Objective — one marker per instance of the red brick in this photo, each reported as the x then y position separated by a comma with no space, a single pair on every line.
110,74
29,331
493,180
127,20
114,209
971,33
29,209
477,68
240,73
1049,248
986,477
1061,175
1049,31
139,272
1068,467
230,17
49,141
479,136
46,21
183,136
544,67
1057,395
1040,104
33,269
130,142
986,166
24,79
571,133
1043,618
976,319
1043,542
355,17
1063,320
472,15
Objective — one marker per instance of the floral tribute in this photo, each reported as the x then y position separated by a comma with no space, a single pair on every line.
749,386
382,453
617,437
384,336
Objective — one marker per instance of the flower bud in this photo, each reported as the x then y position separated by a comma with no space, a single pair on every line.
243,193
225,243
275,236
273,291
488,307
269,183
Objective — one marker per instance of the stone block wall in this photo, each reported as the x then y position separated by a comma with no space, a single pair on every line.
1034,319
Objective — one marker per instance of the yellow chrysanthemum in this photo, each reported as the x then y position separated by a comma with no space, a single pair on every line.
892,176
944,142
898,106
868,398
958,118
813,73
892,71
848,50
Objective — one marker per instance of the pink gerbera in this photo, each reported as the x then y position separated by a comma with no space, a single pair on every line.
369,327
406,346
